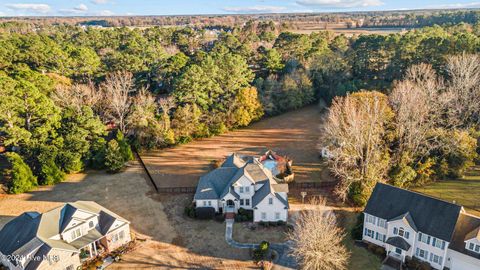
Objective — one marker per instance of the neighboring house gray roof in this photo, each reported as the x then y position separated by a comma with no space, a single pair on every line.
18,232
431,216
32,230
399,242
467,226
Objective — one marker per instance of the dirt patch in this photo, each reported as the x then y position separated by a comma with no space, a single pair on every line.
294,134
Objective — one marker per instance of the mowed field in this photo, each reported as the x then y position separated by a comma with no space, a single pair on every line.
294,134
464,191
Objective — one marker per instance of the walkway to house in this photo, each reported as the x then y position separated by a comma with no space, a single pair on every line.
284,260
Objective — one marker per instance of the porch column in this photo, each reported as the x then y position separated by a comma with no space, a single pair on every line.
90,250
95,248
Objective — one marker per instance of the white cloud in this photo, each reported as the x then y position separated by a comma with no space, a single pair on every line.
105,13
255,9
99,2
340,3
80,9
35,8
458,5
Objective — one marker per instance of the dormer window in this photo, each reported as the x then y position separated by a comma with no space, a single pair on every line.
90,224
76,233
473,247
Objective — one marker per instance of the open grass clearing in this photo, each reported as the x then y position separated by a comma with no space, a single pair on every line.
464,191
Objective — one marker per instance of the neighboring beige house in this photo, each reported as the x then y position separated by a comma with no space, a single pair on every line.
61,238
244,182
410,224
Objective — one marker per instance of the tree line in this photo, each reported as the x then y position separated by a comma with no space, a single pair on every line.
74,97
425,128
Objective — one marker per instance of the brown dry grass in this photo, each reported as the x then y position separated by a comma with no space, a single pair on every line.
294,134
242,233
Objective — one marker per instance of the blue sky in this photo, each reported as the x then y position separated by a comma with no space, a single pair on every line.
180,7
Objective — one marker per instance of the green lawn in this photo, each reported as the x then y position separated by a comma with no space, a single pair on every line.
360,258
464,191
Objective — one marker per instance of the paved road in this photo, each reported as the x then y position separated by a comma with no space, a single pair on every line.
284,260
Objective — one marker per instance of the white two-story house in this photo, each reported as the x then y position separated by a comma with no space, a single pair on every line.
61,238
243,182
410,224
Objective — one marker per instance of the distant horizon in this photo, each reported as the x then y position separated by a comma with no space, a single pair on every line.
242,14
150,8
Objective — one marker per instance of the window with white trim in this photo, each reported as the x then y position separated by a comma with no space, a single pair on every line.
380,237
247,189
114,238
91,224
204,203
209,203
247,202
382,223
76,233
277,215
270,200
438,243
241,201
424,238
371,219
421,253
121,234
369,233
473,247
241,189
436,259
264,215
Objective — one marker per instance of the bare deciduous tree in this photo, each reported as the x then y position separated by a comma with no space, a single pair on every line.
318,239
464,90
418,104
118,88
77,95
355,131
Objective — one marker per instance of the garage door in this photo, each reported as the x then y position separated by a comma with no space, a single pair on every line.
461,265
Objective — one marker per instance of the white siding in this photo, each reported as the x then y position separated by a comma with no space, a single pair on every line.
459,261
270,210
205,203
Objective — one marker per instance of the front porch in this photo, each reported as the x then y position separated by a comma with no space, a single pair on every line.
91,251
90,245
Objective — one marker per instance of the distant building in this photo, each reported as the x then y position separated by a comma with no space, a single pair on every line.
410,224
244,182
63,237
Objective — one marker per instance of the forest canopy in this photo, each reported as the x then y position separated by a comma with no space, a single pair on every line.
73,97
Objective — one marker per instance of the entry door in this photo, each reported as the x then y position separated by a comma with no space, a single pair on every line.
398,251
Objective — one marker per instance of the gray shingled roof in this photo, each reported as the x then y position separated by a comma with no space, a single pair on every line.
18,232
431,216
399,242
466,224
33,230
408,218
212,185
